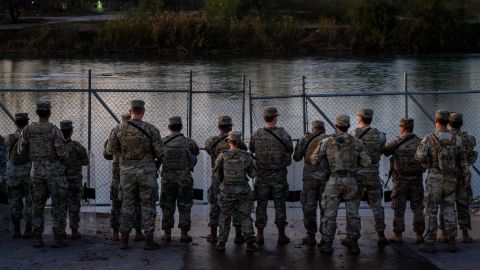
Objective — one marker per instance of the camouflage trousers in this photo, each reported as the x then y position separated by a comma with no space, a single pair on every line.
463,199
116,210
311,198
242,204
369,182
213,197
440,191
176,193
20,198
336,190
139,186
56,187
74,198
278,188
405,189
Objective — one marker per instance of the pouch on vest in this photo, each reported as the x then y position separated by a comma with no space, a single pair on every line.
234,169
446,154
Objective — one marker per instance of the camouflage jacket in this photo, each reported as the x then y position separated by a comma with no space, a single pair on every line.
77,157
216,144
403,162
304,149
374,141
469,144
16,169
182,153
231,170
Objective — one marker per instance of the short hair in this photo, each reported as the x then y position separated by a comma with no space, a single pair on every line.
269,118
443,122
456,124
67,132
42,113
366,120
21,123
138,109
237,143
343,129
175,127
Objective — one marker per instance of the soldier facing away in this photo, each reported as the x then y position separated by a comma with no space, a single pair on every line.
407,180
77,157
273,150
314,179
231,170
178,160
116,210
139,146
369,178
464,186
443,155
19,180
214,146
344,154
44,144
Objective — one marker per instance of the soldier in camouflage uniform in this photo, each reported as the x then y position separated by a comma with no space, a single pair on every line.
214,146
139,146
369,178
231,170
314,179
77,157
443,155
19,180
273,150
116,210
178,160
464,187
407,180
43,142
344,154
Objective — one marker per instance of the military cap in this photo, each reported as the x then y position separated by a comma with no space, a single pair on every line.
406,122
224,121
43,105
66,124
125,117
456,117
21,116
343,120
440,114
175,120
137,103
235,135
270,112
317,124
365,113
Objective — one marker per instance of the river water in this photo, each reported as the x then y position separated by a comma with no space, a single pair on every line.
329,73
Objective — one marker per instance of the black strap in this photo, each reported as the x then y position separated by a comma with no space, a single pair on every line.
365,132
217,142
171,138
278,138
311,139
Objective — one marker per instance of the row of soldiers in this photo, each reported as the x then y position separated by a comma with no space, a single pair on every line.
337,167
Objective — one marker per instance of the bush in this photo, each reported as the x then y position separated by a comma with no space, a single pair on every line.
151,5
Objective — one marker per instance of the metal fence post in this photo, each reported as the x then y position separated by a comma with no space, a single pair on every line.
190,104
89,144
250,105
304,106
243,105
405,85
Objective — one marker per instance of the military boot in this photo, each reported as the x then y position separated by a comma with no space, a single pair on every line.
397,238
282,238
167,235
428,247
326,247
212,237
115,235
466,238
139,236
382,240
353,247
59,241
452,247
251,246
75,234
239,239
419,238
185,237
16,230
309,240
27,234
149,243
259,237
220,246
124,241
346,241
37,241
443,237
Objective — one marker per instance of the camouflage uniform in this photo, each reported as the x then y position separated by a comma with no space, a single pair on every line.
272,159
443,155
369,178
44,143
3,168
344,154
178,159
407,180
231,170
138,172
77,157
19,178
214,146
314,177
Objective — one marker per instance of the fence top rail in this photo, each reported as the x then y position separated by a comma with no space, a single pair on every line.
98,90
213,91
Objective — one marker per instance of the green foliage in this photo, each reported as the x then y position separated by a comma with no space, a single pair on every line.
151,5
229,8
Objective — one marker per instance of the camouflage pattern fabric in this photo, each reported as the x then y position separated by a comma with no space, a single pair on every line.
444,157
3,166
272,159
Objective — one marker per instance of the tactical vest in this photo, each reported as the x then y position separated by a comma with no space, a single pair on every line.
469,143
221,146
234,168
134,144
73,163
372,143
17,160
41,145
444,154
270,154
177,154
342,157
404,158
